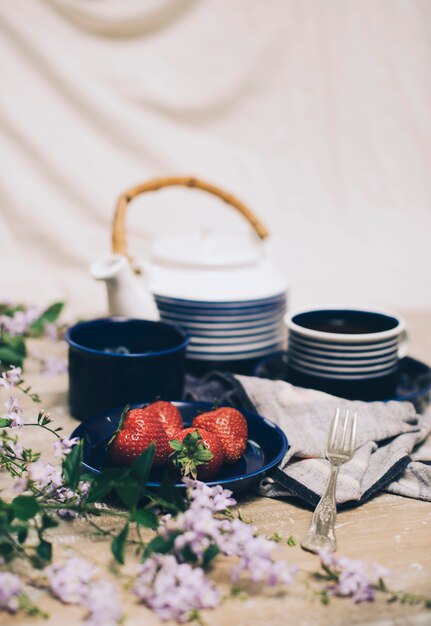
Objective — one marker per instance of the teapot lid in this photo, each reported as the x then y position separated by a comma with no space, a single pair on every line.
206,250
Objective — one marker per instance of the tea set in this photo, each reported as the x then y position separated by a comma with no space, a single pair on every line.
223,290
209,302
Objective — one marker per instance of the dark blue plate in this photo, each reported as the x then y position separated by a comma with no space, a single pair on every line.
266,446
412,380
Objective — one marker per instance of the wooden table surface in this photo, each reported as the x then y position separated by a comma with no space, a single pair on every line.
394,531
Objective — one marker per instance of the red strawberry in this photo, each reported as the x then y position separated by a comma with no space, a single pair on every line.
136,431
231,427
168,415
197,453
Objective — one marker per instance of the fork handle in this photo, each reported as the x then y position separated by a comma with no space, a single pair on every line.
321,535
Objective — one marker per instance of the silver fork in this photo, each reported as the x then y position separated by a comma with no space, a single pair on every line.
339,450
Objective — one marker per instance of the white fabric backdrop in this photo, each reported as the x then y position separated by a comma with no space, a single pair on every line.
316,113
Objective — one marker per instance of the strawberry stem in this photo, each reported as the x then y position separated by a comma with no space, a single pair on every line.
120,423
188,454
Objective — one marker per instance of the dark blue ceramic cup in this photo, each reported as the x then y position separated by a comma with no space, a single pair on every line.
349,352
117,360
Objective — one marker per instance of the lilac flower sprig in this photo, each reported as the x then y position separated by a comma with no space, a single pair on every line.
17,322
349,578
74,581
174,578
13,597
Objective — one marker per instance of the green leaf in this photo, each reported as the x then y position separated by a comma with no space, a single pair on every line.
146,518
6,550
21,531
4,422
17,344
142,465
176,444
53,312
49,316
118,544
159,544
48,521
203,454
87,476
210,554
72,466
44,550
10,310
10,357
25,507
22,534
128,492
172,497
103,484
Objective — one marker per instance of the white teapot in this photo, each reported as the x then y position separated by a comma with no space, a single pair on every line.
201,267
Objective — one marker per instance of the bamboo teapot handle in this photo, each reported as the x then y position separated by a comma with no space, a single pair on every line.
119,237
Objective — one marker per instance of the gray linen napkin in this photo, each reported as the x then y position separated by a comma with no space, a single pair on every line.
388,433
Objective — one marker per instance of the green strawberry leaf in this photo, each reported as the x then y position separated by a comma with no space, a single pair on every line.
192,453
4,422
203,454
176,444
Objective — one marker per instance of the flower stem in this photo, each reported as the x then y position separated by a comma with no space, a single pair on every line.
42,426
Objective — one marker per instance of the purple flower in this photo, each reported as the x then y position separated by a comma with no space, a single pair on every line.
235,535
10,589
380,572
20,485
16,446
51,331
20,322
202,495
256,558
11,377
65,494
44,475
73,582
68,581
198,528
14,412
174,590
102,603
353,580
53,365
351,577
63,446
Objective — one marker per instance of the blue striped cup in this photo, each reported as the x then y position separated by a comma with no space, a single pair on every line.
349,351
